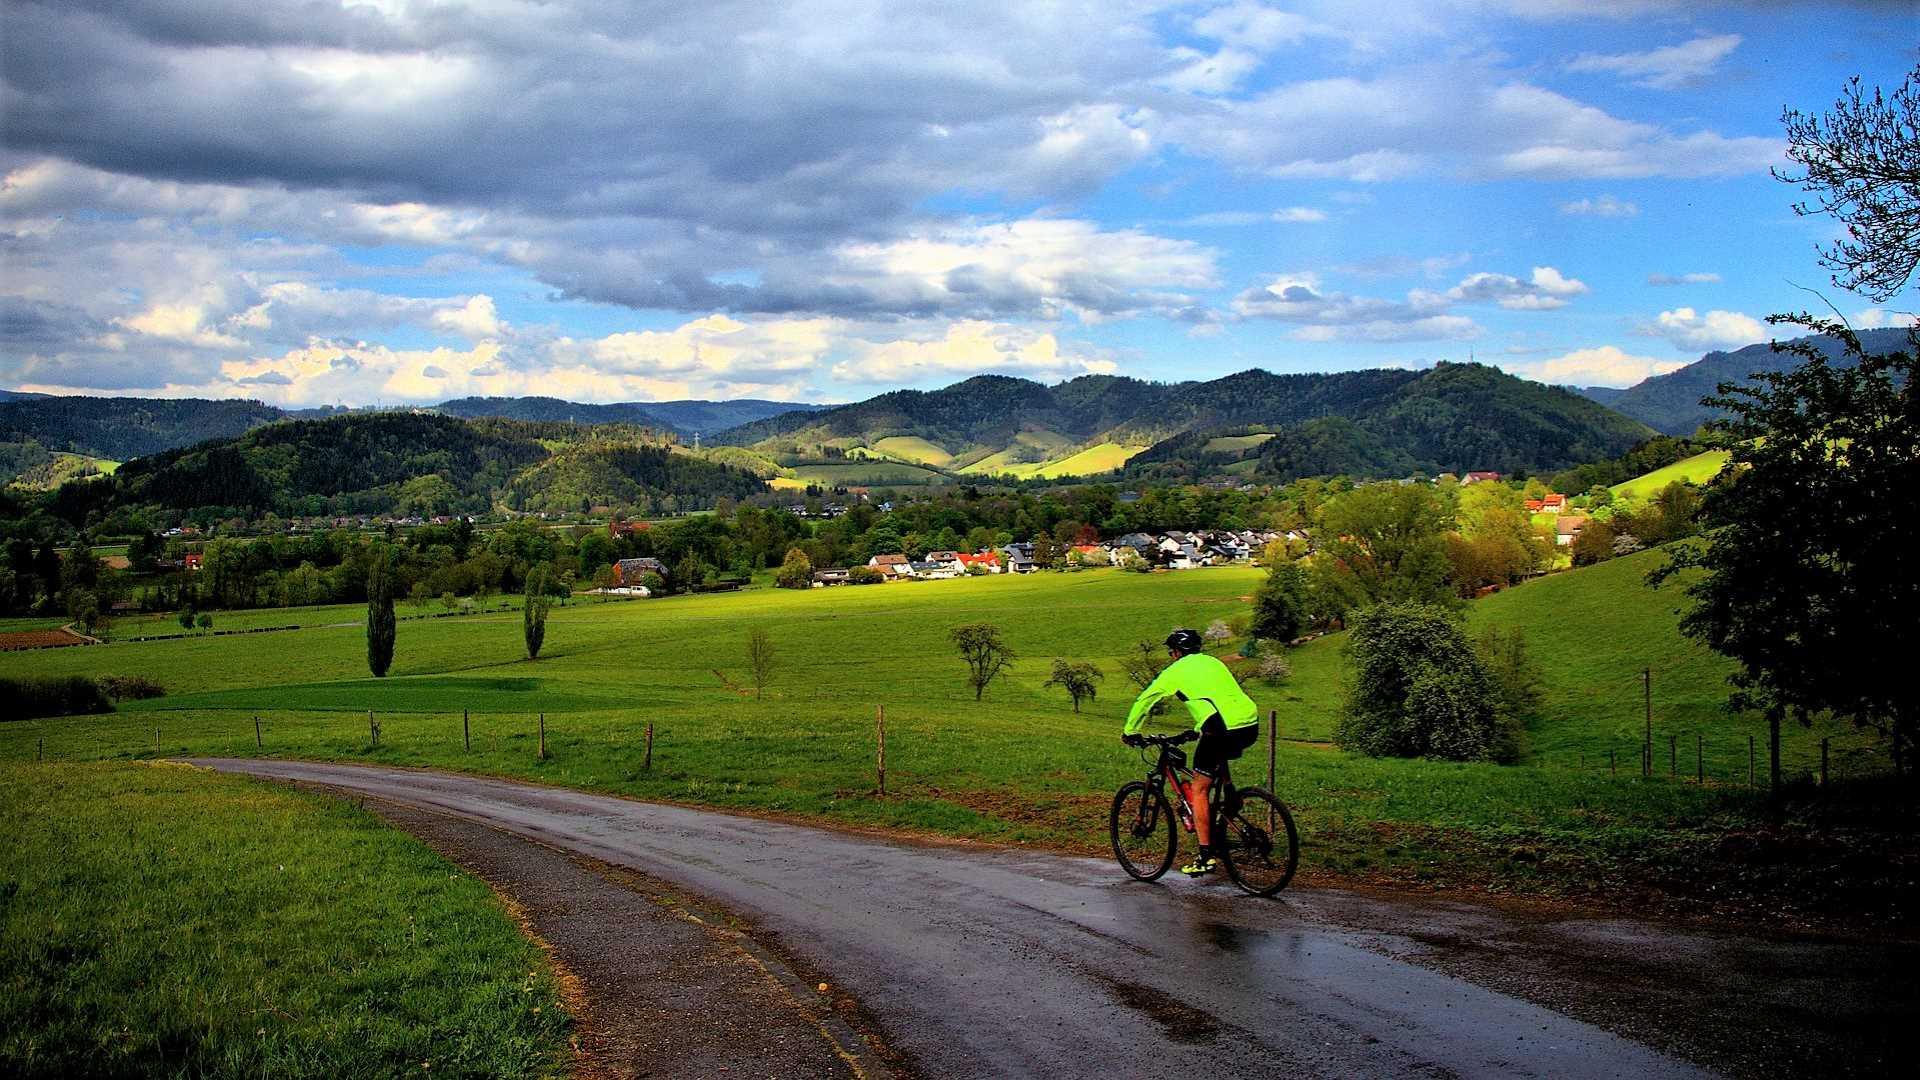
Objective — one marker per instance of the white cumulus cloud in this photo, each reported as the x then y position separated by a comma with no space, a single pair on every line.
1689,329
1604,365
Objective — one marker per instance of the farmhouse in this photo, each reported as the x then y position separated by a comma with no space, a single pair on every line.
1548,504
1566,527
1478,477
986,560
630,571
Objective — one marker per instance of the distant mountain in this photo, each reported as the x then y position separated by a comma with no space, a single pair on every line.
124,428
680,417
1670,403
17,395
1383,422
408,462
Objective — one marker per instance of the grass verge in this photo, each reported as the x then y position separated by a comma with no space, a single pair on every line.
159,920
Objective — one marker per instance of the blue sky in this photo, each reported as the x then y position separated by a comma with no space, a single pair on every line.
394,201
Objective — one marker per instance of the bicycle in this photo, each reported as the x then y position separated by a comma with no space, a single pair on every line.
1248,824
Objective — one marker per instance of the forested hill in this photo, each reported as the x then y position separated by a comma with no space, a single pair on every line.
680,417
414,463
986,410
127,428
1670,403
123,428
1380,422
1451,418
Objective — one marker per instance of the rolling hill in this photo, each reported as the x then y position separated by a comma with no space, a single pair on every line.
681,417
1670,403
1383,422
419,463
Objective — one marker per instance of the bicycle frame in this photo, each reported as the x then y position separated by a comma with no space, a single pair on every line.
1172,768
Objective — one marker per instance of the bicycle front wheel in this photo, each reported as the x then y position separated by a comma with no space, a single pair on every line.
1143,832
1262,847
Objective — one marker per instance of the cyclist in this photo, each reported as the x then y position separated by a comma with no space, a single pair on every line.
1225,718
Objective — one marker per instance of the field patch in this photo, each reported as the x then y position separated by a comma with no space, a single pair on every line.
1695,470
865,473
421,694
913,449
1236,444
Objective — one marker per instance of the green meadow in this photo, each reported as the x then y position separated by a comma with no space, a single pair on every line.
1019,766
161,920
1696,470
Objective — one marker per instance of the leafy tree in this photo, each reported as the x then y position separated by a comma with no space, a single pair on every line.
1389,539
796,572
1143,665
1418,687
1280,607
533,613
380,622
986,654
204,620
186,616
760,659
865,575
1595,544
1808,581
1861,162
1076,679
1516,682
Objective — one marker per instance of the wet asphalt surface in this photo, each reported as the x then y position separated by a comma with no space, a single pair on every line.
990,962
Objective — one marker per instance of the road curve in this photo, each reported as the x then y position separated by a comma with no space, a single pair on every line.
991,962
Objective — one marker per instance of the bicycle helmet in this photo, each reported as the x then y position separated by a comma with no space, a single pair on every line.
1187,641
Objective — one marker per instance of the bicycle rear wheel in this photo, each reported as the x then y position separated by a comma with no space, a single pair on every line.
1142,829
1262,847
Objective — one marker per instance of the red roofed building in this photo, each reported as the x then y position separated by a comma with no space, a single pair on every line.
987,559
1552,504
192,560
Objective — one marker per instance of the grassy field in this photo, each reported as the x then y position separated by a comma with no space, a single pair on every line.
161,920
1697,469
863,473
1018,766
1236,443
914,450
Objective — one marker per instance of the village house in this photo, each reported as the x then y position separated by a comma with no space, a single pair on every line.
986,560
1549,504
618,529
1477,477
1566,528
823,578
631,571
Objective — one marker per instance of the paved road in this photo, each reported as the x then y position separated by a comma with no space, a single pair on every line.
1001,963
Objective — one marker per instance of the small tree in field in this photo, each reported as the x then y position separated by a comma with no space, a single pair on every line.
186,616
986,655
796,572
204,621
760,660
1076,679
1418,688
534,613
1280,607
380,623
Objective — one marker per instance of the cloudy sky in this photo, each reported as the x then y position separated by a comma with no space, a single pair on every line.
400,200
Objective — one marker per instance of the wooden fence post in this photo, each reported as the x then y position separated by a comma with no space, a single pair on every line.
466,731
257,743
1647,763
1673,755
1612,767
648,764
1273,745
880,734
543,736
373,728
40,752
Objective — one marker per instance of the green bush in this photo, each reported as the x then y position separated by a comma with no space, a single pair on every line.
131,687
1419,689
61,695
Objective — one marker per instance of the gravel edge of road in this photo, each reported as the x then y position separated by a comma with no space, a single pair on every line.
848,1029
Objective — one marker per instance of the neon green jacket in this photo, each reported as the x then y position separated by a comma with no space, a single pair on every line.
1206,686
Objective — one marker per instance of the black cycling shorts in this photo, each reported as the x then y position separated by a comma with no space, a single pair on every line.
1220,744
